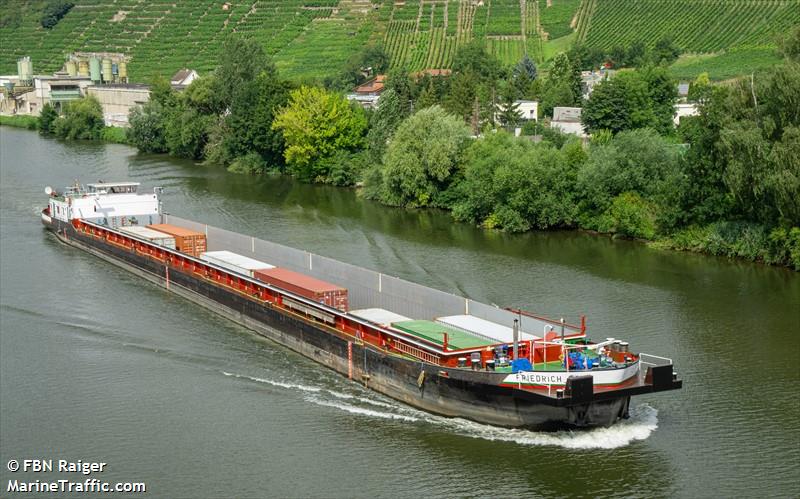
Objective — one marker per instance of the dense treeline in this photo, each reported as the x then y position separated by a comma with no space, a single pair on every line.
725,182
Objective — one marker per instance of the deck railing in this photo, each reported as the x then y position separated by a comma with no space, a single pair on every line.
416,352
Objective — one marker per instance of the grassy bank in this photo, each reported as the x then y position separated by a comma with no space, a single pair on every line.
114,135
20,121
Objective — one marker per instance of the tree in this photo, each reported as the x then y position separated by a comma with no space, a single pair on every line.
202,96
162,92
473,58
632,99
83,119
554,95
508,109
54,11
421,159
637,161
47,119
401,83
248,126
460,97
241,61
525,67
383,123
666,51
146,130
315,124
515,185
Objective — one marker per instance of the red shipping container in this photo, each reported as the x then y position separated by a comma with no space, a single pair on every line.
306,286
187,241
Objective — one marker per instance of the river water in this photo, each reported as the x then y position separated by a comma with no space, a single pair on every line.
99,365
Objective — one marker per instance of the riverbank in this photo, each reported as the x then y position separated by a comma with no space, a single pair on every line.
111,134
735,240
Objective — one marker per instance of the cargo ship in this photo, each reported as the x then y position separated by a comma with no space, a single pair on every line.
433,350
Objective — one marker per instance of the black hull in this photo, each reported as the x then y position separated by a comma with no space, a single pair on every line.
448,392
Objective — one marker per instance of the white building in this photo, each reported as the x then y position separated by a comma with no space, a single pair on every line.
117,100
183,77
568,120
684,109
528,109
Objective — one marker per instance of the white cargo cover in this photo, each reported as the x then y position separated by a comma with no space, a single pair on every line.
151,235
482,327
378,316
235,262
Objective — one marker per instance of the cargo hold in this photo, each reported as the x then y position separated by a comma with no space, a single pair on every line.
187,241
306,286
235,262
153,236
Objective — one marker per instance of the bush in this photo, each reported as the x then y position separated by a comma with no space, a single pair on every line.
114,134
146,130
20,121
54,11
83,119
421,160
629,215
249,163
47,119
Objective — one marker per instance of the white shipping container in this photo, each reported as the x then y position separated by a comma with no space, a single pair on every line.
379,316
151,235
482,327
235,262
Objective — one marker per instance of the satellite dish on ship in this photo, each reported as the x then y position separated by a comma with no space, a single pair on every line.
48,190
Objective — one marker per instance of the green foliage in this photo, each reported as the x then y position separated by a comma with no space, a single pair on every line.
186,131
249,125
20,121
473,59
514,185
83,119
315,124
778,246
47,119
249,164
146,130
421,161
629,215
631,100
383,123
241,61
638,161
54,11
114,134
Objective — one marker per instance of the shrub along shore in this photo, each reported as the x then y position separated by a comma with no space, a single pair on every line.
726,182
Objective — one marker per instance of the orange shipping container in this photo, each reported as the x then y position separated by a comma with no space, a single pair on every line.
314,289
187,241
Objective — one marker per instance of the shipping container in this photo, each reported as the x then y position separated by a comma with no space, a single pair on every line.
379,316
153,236
186,241
303,285
482,327
235,262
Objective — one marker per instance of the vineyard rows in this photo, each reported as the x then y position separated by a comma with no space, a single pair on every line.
312,38
695,25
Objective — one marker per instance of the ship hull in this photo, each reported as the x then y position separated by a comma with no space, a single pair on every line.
477,396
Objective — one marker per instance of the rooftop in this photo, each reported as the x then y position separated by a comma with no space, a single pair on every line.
373,86
567,114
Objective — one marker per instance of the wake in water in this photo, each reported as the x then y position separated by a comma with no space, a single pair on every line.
642,422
